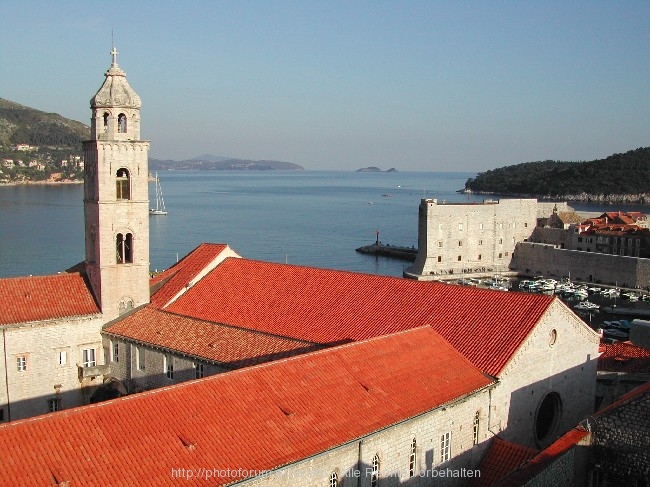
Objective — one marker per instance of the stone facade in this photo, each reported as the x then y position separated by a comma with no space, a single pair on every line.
52,376
557,363
141,367
456,240
116,196
532,259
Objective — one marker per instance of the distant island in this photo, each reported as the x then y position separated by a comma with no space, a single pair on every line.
619,178
375,169
42,147
220,163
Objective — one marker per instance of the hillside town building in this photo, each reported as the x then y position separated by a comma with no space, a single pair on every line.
242,371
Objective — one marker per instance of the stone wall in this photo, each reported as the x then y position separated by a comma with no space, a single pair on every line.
141,367
45,378
532,259
456,240
621,438
559,358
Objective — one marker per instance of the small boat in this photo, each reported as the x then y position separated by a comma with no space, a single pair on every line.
587,305
630,296
160,202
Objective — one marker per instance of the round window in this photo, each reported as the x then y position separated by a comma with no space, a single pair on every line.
547,418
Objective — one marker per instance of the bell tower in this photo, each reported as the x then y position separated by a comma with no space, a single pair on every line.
116,197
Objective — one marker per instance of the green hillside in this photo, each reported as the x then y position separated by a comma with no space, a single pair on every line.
23,125
618,174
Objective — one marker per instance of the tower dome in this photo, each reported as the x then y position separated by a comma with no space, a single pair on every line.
115,92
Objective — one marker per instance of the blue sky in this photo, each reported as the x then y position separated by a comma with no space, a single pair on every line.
416,85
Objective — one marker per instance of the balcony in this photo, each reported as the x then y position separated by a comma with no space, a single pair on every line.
93,371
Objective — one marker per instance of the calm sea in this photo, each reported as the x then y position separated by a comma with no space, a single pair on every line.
308,218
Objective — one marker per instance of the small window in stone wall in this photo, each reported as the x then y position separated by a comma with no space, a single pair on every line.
374,476
552,337
412,457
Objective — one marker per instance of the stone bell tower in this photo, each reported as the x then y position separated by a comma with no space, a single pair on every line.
116,197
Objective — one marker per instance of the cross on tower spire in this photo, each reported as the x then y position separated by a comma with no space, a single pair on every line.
114,53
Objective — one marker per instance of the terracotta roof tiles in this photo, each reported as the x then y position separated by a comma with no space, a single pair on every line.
501,458
181,274
543,459
231,346
327,306
38,298
256,418
624,357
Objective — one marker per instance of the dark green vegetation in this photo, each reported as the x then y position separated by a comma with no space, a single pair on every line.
618,174
51,137
23,125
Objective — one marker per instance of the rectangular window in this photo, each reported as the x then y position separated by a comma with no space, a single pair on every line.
440,244
115,351
62,357
460,243
88,358
500,240
198,371
526,224
169,366
500,255
21,363
480,242
459,258
480,226
479,256
139,358
53,405
439,258
445,447
460,226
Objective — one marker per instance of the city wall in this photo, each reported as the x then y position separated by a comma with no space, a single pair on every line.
536,259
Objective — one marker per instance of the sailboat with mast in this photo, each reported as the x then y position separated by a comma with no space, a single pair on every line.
160,202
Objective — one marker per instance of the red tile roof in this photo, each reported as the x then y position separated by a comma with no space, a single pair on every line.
37,298
543,459
326,306
624,357
256,418
177,277
501,458
235,347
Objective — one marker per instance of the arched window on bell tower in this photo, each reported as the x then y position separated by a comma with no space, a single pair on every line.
123,185
106,116
124,248
121,123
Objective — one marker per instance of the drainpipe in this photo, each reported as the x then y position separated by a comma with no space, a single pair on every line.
4,347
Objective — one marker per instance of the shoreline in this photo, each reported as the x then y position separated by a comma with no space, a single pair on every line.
610,199
29,183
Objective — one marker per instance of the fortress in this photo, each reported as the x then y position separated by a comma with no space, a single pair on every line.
460,240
